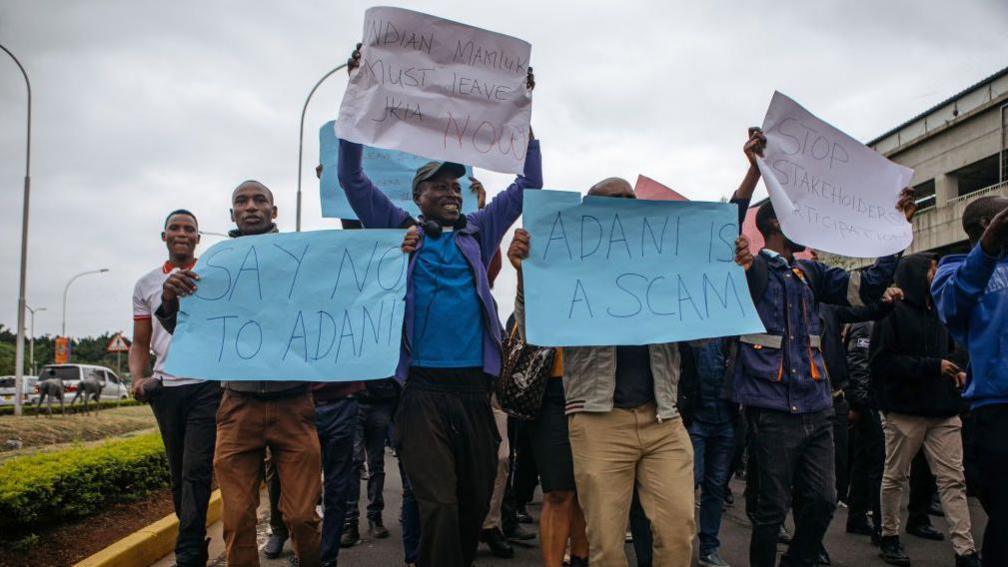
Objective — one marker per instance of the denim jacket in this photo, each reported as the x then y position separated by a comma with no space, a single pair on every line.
783,369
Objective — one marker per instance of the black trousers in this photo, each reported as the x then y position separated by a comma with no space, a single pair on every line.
841,451
372,428
336,422
868,441
449,450
990,434
794,453
187,418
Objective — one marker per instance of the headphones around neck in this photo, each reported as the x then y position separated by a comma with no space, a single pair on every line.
434,229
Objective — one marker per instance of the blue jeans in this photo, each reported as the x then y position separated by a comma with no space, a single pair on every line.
336,422
713,449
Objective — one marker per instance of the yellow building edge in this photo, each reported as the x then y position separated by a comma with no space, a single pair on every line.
149,544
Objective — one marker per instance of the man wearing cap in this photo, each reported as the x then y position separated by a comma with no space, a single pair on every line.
451,343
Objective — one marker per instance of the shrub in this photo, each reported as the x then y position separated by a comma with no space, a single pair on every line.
71,483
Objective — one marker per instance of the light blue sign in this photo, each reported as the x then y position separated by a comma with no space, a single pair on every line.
320,306
607,271
391,171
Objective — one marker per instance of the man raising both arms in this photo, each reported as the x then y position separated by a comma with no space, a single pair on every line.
185,408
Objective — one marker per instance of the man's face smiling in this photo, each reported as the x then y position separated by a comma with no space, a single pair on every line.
252,208
440,198
181,235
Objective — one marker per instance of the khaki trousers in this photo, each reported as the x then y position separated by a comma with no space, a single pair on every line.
941,439
614,450
493,519
246,426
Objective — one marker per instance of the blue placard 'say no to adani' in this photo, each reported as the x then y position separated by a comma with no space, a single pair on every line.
607,271
318,306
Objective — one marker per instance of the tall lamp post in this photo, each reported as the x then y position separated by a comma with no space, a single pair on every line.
19,351
67,289
31,336
301,140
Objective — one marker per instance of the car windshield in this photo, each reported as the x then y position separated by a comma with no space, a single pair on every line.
62,372
7,382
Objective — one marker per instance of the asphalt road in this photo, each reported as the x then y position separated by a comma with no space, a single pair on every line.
845,549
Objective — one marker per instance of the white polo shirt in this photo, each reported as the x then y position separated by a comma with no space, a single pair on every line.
146,300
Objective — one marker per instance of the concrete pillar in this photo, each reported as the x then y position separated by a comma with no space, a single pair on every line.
946,189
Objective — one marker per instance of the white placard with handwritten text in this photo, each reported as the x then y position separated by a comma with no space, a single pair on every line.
439,89
831,192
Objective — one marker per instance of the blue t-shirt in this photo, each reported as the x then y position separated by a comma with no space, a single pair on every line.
448,325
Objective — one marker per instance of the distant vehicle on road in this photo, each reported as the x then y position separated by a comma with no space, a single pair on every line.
114,387
29,395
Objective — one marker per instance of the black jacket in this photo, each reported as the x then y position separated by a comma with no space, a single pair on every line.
907,349
834,319
860,392
688,391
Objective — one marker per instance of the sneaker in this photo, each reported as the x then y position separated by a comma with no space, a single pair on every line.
925,531
859,526
971,560
523,516
498,544
376,529
893,552
350,537
823,558
274,546
576,561
712,559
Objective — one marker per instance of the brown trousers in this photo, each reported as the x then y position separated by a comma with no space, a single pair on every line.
612,452
246,426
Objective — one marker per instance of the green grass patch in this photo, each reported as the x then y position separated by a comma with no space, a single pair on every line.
50,488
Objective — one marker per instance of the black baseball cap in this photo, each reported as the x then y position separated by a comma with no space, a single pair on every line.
432,168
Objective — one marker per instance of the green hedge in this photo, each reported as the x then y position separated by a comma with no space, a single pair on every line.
51,487
76,408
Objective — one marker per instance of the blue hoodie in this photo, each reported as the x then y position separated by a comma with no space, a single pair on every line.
971,293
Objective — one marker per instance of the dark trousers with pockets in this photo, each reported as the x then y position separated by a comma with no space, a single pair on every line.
187,418
373,420
794,453
336,421
866,469
990,433
449,450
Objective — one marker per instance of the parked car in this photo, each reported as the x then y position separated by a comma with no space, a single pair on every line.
113,387
29,395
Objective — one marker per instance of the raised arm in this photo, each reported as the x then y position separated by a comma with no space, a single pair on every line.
373,208
501,212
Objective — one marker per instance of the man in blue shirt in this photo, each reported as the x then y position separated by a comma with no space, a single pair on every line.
971,295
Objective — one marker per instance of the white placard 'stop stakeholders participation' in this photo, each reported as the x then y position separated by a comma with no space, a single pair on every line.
830,191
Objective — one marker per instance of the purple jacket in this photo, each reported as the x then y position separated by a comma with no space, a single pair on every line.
478,241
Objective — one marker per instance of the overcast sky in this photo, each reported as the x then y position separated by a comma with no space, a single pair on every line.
142,107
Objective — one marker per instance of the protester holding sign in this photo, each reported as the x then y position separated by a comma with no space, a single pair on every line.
185,408
781,379
256,415
625,430
451,343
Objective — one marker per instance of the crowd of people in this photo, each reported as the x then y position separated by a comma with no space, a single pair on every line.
864,382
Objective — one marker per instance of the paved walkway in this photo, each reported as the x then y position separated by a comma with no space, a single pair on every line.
846,550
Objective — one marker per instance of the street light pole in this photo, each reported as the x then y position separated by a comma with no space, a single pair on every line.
301,140
19,351
31,336
67,289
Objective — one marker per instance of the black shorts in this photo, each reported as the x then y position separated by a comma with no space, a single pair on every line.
550,443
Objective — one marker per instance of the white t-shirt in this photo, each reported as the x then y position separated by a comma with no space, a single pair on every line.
146,300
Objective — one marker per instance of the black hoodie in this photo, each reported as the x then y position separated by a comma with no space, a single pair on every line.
907,349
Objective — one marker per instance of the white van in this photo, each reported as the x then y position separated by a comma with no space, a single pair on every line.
113,387
29,395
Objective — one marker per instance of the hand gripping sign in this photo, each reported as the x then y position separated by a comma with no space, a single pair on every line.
439,89
831,192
